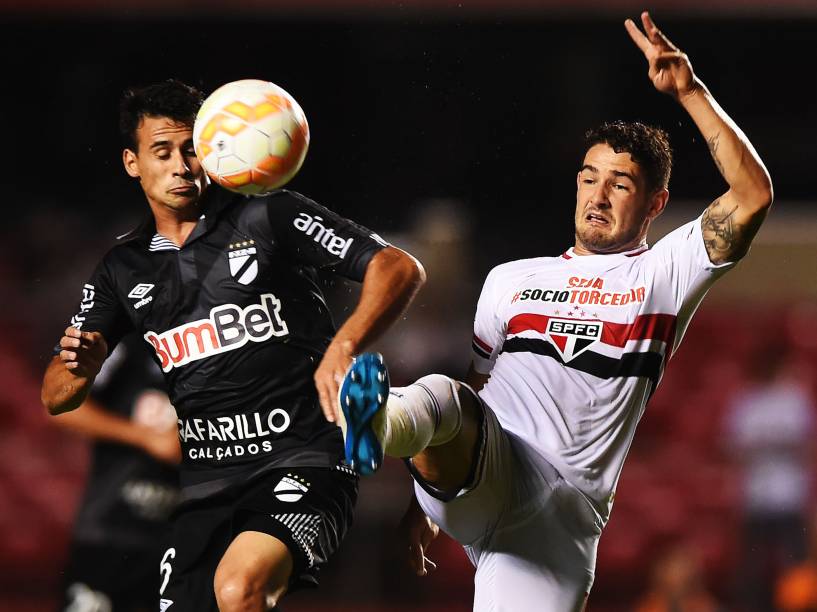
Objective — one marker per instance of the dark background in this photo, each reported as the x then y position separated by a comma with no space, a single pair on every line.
412,109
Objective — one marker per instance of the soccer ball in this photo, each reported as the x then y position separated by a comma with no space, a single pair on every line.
251,136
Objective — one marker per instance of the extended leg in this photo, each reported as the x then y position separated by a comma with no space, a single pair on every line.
435,421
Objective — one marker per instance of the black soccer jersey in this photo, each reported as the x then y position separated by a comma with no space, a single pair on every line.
238,324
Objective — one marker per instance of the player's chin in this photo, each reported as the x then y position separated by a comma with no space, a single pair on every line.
599,239
179,199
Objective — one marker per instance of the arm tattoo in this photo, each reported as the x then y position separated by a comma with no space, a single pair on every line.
713,143
723,237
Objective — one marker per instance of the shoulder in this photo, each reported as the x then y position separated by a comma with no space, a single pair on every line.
281,206
124,251
283,198
512,270
507,276
686,232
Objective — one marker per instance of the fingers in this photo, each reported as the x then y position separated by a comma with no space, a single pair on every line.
668,57
82,352
328,387
429,534
421,564
637,36
417,559
68,342
655,35
324,396
73,337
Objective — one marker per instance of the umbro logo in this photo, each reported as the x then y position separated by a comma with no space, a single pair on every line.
164,604
140,292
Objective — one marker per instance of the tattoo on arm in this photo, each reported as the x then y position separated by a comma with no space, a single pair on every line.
723,237
713,143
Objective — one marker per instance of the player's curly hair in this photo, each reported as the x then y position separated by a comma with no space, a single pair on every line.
647,145
170,98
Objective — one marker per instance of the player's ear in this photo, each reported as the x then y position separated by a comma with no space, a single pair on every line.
658,202
130,162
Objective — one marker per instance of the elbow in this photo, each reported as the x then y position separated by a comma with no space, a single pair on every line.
764,192
769,194
416,272
406,269
49,403
757,197
54,401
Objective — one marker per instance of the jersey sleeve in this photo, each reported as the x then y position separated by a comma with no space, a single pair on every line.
100,310
489,330
310,233
683,265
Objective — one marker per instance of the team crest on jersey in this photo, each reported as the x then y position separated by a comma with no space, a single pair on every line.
243,258
291,488
571,337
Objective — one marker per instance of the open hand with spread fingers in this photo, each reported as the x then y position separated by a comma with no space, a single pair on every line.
670,70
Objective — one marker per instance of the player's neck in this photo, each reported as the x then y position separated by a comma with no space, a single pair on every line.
175,224
580,249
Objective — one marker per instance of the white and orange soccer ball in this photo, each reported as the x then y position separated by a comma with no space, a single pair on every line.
251,136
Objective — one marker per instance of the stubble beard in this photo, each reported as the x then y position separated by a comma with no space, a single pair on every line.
598,241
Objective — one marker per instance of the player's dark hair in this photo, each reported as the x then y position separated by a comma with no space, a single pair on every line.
647,145
171,98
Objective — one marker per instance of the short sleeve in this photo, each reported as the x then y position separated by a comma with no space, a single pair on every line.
312,234
100,310
489,332
682,258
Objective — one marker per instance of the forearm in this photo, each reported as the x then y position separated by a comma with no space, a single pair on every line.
731,150
393,278
92,421
63,390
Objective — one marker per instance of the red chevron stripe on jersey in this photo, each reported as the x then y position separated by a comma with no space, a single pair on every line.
482,344
645,327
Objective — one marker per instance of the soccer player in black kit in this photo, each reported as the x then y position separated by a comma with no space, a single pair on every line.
225,290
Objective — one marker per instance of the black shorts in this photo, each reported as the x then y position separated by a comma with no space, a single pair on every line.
105,577
308,509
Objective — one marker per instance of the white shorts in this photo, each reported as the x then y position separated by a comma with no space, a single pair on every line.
531,535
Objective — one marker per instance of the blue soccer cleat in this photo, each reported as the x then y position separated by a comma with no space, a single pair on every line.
363,393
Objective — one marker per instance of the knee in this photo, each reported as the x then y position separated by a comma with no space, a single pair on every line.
238,592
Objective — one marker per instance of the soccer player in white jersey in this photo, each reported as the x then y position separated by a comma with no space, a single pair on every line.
567,351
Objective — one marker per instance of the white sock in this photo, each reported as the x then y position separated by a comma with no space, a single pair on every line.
424,414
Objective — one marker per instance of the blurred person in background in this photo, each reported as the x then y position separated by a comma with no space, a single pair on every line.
440,236
250,354
133,485
769,432
567,351
677,585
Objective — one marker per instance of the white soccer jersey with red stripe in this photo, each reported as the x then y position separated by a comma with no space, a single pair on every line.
575,345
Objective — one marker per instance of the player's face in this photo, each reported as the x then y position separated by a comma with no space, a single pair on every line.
166,164
613,205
